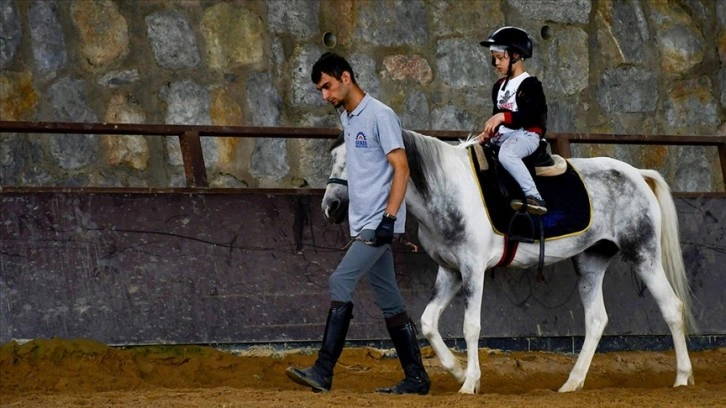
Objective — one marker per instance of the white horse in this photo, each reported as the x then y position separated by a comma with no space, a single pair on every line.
633,215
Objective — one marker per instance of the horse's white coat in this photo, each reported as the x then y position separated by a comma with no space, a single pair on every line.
633,216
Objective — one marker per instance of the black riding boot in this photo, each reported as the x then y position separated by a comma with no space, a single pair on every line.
319,377
409,354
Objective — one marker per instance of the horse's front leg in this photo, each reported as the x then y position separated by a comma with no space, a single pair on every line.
473,279
447,285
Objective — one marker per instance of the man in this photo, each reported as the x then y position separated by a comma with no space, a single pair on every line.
377,177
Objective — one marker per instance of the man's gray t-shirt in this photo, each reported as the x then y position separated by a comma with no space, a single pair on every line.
372,131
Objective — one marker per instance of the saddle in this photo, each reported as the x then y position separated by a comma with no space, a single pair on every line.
540,163
568,202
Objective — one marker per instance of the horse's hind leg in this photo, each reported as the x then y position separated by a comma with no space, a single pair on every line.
654,277
591,265
447,285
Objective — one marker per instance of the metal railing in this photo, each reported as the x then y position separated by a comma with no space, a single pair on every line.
193,159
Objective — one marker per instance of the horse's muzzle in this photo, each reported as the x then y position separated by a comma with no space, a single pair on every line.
335,211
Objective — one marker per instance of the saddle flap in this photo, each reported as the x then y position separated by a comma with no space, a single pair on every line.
480,157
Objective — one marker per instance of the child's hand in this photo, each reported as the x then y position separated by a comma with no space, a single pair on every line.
492,124
482,137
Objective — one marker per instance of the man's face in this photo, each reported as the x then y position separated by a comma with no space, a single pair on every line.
334,91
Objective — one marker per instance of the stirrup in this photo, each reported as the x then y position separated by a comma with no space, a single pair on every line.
528,219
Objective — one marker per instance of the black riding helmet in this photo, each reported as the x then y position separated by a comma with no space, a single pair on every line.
511,38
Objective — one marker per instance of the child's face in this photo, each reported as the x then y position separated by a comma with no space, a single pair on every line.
501,61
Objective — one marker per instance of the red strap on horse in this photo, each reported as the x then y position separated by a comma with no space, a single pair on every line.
510,249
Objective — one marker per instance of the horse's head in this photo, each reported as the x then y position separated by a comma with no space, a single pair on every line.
335,200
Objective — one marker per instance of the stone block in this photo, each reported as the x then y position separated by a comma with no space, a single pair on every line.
392,22
416,111
233,35
17,95
401,67
463,64
264,103
560,11
296,17
172,40
102,31
11,32
474,19
49,47
690,104
627,89
567,71
131,150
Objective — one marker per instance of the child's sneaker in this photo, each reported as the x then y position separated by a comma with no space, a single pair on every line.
534,205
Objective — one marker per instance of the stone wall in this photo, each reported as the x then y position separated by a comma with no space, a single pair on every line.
640,67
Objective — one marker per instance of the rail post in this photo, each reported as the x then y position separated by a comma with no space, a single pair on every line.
191,150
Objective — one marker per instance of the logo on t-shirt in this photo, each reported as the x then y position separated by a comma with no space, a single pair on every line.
360,141
505,100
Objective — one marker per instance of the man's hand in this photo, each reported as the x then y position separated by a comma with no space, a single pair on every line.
384,232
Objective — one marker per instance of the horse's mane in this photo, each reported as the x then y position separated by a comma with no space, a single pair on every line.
425,154
338,141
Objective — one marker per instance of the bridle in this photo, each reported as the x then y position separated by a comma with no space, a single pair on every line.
340,181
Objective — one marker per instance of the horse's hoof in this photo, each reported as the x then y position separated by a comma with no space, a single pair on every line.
570,386
468,392
684,381
469,388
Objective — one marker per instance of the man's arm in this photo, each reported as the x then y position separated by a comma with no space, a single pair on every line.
399,162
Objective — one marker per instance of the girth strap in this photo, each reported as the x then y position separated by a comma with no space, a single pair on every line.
510,250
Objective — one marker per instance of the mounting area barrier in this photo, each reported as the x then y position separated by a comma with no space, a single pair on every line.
235,267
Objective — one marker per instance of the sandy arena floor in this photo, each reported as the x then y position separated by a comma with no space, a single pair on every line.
83,373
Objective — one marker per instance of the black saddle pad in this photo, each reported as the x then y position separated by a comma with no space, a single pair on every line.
568,203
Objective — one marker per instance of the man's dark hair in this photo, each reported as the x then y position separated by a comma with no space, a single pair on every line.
331,64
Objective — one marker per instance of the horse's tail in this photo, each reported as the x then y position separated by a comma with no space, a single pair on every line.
672,256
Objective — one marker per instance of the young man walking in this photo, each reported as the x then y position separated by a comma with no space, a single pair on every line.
377,177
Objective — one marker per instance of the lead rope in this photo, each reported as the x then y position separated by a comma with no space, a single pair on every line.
400,239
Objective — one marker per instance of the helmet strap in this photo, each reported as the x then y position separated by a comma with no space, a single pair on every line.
512,61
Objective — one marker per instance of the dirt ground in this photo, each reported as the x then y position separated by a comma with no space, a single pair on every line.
85,373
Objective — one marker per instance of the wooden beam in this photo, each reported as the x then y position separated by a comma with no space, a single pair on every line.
195,171
191,149
561,146
722,157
